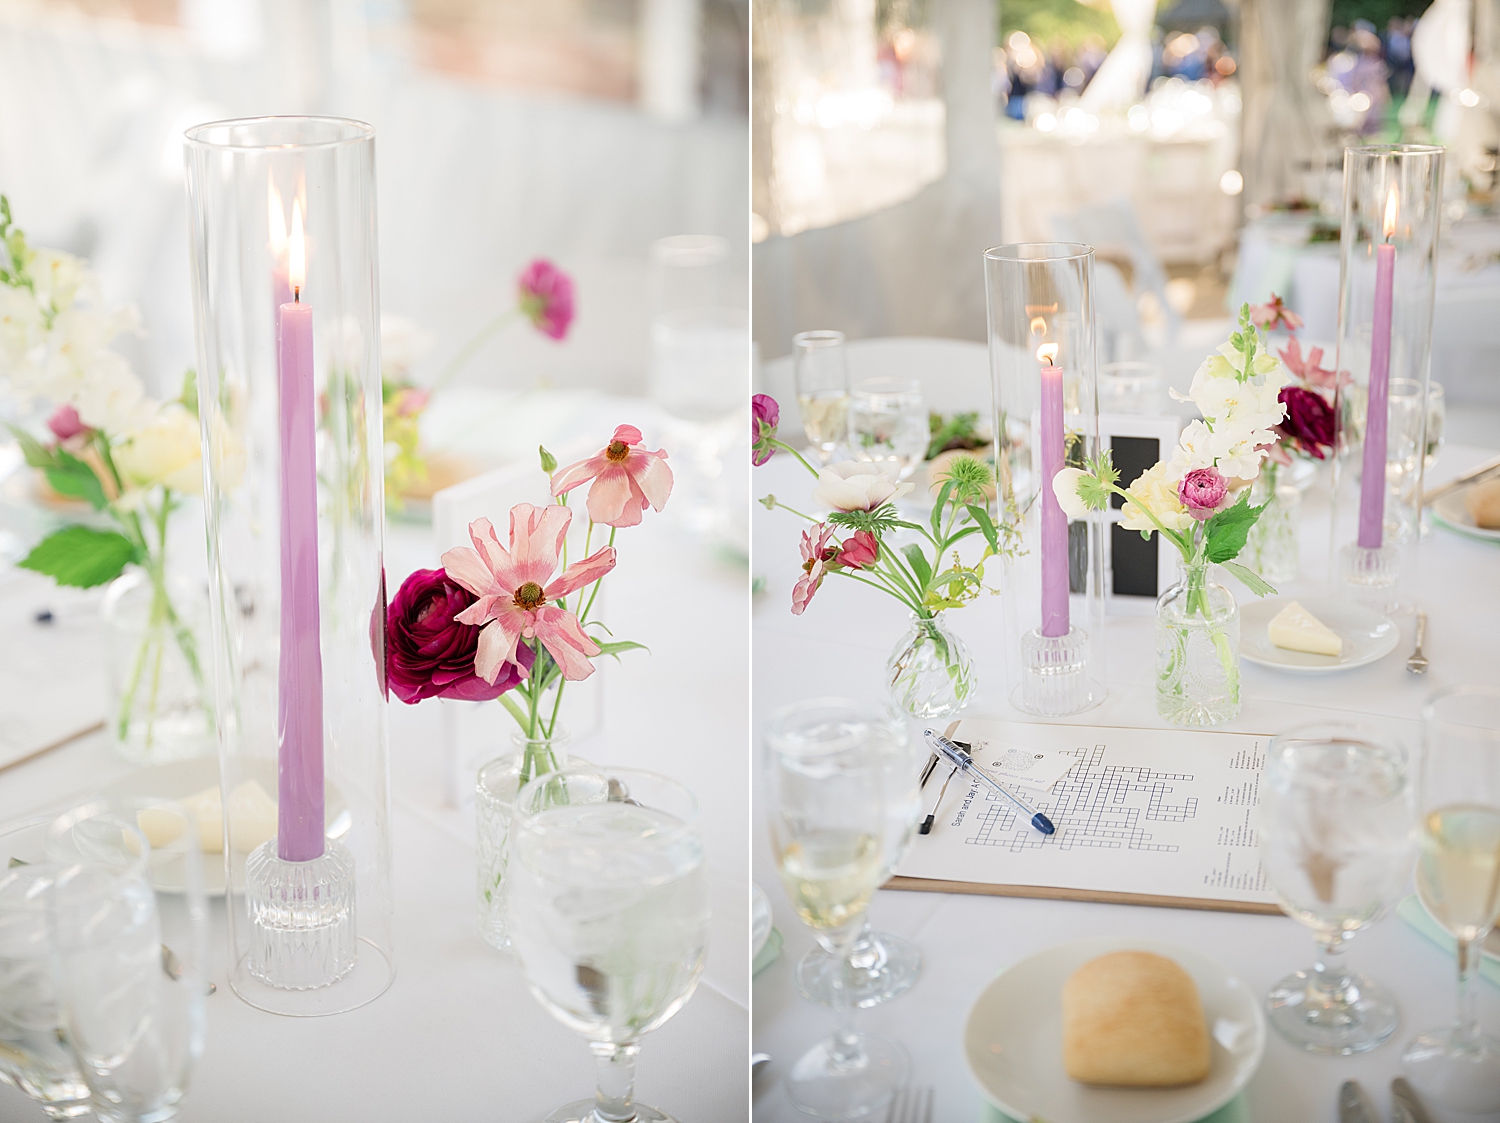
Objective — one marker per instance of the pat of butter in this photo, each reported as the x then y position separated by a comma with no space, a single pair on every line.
252,814
1297,629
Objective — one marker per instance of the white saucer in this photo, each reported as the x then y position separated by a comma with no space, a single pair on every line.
1013,1041
1367,635
1451,512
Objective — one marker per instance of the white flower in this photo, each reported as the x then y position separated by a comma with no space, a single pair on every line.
106,393
856,485
166,451
1195,449
1153,491
1065,487
21,333
60,279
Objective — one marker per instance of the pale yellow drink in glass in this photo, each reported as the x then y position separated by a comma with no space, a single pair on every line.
825,414
1458,873
830,876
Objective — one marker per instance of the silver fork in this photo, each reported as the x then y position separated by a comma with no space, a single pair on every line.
911,1105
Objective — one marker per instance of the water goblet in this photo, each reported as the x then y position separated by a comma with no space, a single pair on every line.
608,916
128,925
821,373
34,1055
880,965
1335,842
1458,879
828,818
888,423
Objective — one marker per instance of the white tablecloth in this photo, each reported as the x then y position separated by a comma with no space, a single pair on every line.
840,646
458,1036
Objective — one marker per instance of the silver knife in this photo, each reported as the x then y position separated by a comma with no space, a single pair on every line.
1473,475
1354,1105
1405,1107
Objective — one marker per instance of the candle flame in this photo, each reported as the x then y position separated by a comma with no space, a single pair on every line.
1038,326
296,268
1047,353
1390,213
277,221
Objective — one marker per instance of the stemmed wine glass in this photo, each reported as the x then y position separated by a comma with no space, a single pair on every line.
880,965
1458,879
34,1055
608,916
128,926
829,826
822,378
888,423
1335,827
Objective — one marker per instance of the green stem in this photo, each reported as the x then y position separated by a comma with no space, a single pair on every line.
774,443
1183,544
471,348
589,606
778,503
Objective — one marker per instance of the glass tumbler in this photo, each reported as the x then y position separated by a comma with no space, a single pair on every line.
129,928
34,1055
1458,879
820,369
1336,831
608,916
888,423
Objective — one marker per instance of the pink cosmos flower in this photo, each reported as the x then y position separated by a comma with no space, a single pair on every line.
545,294
1273,314
816,554
516,590
627,479
1202,492
1308,369
861,549
65,422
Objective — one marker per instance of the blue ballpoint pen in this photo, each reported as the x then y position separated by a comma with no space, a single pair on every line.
964,762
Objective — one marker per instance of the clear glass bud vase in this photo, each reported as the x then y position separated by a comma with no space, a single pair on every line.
1271,546
494,808
930,673
1197,649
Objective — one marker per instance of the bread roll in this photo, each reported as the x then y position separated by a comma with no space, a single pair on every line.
1132,1018
1483,502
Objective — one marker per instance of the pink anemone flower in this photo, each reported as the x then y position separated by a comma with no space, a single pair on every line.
817,552
517,591
627,479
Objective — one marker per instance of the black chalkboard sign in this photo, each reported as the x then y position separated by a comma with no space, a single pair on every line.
1133,560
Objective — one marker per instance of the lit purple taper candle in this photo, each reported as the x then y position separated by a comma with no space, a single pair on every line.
1054,522
1372,483
299,833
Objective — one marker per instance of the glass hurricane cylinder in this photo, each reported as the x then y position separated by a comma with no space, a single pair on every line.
1392,204
1044,378
287,310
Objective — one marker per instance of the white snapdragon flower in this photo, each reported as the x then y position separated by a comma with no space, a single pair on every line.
857,485
61,279
167,450
22,340
1195,449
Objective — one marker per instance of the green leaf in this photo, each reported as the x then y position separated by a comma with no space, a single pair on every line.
937,508
70,476
80,556
986,525
1249,578
619,646
918,563
37,454
1225,533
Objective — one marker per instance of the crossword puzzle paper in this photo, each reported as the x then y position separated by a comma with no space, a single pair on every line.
1156,816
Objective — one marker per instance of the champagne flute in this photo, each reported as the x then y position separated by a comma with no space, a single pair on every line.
829,826
34,1055
888,423
880,965
1335,842
129,930
822,377
1458,879
608,916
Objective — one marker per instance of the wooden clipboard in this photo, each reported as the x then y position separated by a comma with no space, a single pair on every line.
1098,896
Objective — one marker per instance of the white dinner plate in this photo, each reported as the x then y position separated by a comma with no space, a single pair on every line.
1013,1041
183,778
760,921
1451,512
1367,635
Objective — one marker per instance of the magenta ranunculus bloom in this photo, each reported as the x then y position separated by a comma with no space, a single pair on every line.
429,654
65,422
1202,492
861,549
1309,421
545,294
765,415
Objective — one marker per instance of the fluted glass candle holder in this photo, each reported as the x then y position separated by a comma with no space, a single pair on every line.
1392,210
286,304
1044,374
